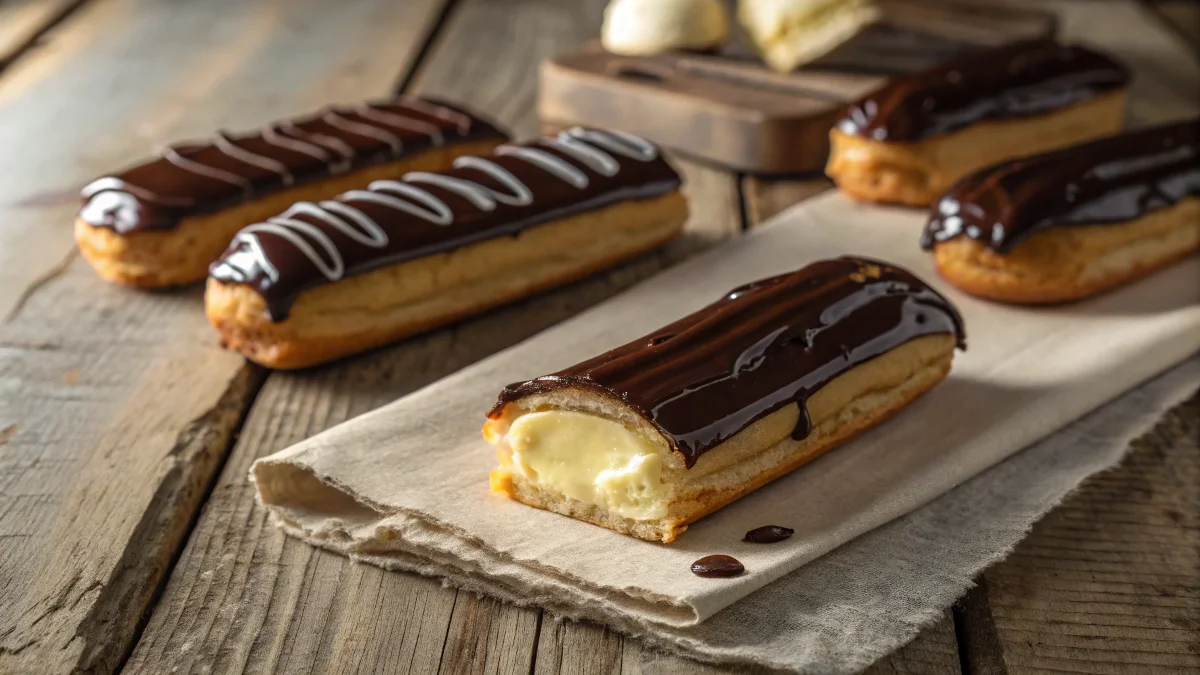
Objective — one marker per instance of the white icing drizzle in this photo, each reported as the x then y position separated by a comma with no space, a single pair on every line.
339,215
336,119
434,210
547,161
321,140
521,196
222,142
270,134
596,160
172,155
337,154
462,121
626,145
112,184
480,197
401,122
404,195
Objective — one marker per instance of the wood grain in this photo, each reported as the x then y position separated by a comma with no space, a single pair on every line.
243,595
118,407
22,21
1109,582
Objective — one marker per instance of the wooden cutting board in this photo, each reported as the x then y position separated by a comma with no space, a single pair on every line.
730,109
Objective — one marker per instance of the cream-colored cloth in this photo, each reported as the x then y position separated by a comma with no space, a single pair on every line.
406,486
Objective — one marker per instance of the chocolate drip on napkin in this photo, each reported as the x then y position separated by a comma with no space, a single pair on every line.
1112,180
763,346
1021,80
203,177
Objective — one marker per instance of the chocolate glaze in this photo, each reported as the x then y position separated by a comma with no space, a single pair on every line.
1020,80
720,566
279,270
763,346
157,194
1112,180
768,534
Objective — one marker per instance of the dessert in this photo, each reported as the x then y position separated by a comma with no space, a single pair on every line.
650,436
909,140
162,222
321,281
1072,223
641,27
791,33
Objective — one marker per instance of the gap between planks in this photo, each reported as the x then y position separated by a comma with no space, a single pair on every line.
24,22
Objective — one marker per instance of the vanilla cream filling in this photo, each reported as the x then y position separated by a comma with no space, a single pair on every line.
591,459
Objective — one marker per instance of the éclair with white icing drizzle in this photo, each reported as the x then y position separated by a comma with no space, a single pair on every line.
203,177
519,186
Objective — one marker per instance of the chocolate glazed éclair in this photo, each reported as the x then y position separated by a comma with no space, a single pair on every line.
1020,80
763,346
1112,180
423,213
203,177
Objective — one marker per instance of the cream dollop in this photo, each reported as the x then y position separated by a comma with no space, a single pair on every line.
640,27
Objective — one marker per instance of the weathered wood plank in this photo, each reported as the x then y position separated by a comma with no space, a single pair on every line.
22,21
117,407
487,636
572,648
935,651
1109,582
243,593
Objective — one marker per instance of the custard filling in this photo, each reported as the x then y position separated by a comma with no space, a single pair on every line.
590,459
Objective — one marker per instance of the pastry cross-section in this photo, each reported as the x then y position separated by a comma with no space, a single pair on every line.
654,434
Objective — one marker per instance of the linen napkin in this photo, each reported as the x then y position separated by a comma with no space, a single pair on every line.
408,483
851,607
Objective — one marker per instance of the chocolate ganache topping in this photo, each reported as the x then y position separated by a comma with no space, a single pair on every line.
202,177
763,346
424,213
1112,180
1019,80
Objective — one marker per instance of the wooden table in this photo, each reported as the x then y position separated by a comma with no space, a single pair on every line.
129,537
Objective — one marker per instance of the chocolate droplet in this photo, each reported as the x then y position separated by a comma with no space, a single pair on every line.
717,566
768,534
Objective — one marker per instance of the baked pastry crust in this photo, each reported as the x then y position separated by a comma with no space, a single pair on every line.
181,255
1070,263
667,428
915,173
369,310
845,407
